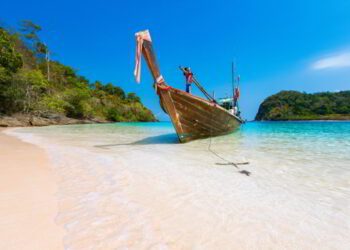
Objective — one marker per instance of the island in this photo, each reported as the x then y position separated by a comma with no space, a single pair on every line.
38,91
294,105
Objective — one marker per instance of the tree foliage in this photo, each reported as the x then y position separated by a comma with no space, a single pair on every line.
294,105
24,87
10,59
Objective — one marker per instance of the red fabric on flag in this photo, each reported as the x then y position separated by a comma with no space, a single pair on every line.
237,93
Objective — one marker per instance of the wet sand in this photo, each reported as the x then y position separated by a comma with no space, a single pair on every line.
28,205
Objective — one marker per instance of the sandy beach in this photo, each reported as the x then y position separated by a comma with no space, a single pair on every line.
28,206
133,186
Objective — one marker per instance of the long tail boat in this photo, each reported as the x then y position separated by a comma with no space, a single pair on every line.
193,117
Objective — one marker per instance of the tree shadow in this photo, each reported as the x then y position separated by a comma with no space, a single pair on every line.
152,140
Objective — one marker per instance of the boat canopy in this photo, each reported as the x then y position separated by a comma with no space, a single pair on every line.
226,103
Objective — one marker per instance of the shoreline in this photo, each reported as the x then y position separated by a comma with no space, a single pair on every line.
28,203
30,120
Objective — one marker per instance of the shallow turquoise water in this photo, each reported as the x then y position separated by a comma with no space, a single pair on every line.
132,185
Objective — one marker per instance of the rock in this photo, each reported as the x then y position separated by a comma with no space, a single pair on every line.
7,121
40,121
24,120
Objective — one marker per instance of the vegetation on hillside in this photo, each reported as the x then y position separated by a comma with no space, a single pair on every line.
294,105
32,84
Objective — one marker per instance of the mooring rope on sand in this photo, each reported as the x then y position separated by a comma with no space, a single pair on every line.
235,164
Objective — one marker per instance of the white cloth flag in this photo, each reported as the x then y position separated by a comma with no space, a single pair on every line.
140,37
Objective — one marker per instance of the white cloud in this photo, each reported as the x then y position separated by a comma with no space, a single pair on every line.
340,60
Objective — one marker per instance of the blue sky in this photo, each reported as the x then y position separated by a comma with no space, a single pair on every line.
278,45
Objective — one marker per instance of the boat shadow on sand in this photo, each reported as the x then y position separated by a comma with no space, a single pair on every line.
151,140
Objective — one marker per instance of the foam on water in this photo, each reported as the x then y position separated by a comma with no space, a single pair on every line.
133,186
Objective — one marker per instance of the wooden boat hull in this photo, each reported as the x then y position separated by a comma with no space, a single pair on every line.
194,117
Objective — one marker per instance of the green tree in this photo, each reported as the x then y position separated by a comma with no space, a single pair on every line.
293,105
133,97
10,59
77,100
29,32
113,90
27,87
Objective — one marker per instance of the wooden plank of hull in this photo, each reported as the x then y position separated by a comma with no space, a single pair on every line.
194,117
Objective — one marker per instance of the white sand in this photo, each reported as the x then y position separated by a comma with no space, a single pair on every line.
114,193
27,198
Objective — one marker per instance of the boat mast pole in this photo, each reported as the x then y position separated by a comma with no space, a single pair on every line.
233,68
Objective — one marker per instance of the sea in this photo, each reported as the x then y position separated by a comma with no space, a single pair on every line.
269,185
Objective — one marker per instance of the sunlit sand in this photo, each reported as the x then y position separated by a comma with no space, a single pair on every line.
133,186
28,206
